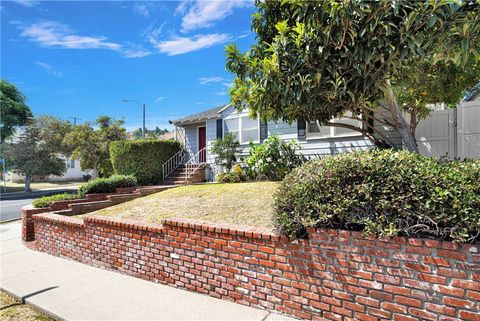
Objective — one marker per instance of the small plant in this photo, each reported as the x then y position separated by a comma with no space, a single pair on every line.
236,175
45,201
226,150
273,159
382,193
107,185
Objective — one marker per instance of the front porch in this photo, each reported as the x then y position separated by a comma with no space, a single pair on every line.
189,164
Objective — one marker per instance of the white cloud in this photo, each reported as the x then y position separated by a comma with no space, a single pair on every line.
159,99
132,50
49,69
181,45
221,93
53,34
201,14
27,3
152,32
142,8
208,80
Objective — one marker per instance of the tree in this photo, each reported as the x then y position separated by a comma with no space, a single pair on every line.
38,149
424,83
91,145
317,60
226,150
14,110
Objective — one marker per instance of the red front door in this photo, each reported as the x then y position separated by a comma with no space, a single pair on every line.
202,143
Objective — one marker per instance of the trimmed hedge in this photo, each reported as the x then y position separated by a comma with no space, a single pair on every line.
142,158
45,201
107,185
383,193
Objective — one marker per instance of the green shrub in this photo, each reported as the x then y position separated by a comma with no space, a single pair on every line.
45,201
107,185
274,158
142,158
236,175
383,193
226,150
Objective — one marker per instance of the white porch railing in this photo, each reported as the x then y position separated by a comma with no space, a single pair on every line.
170,165
195,162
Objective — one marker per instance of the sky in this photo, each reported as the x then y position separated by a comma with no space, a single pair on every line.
81,58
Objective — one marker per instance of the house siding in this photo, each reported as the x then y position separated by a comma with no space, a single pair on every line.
191,139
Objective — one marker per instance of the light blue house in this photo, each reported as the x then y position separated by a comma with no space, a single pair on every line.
197,132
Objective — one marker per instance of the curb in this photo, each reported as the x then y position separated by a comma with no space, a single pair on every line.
33,305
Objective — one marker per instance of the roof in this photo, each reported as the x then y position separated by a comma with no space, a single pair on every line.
201,116
474,94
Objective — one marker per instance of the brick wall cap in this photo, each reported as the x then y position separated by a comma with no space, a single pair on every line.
122,223
220,228
59,219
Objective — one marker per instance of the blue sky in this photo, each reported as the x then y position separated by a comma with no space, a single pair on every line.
80,59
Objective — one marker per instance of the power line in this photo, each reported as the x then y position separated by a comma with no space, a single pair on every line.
75,120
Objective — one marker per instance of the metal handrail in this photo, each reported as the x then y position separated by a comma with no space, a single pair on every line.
195,162
172,163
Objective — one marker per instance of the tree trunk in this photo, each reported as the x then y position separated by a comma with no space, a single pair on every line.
413,121
95,173
28,178
400,122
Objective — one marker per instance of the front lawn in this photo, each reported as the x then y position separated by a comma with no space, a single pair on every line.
35,186
248,204
13,310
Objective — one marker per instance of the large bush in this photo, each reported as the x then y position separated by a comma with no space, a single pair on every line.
107,185
383,193
273,159
142,158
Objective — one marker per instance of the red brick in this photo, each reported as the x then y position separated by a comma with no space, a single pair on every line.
393,307
398,317
468,315
408,301
459,302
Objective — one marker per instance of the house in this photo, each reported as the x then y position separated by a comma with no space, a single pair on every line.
198,131
447,133
73,173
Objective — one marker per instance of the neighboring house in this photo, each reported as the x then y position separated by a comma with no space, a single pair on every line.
167,136
73,173
438,136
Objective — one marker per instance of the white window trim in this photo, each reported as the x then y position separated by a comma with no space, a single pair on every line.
310,136
240,138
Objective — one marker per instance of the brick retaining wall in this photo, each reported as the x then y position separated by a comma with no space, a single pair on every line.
334,275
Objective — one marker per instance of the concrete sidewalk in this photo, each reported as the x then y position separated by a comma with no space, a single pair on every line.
68,290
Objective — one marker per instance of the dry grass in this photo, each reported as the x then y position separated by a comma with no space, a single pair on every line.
35,186
13,310
248,204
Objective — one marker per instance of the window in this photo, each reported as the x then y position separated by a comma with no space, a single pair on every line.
72,163
232,126
315,130
249,130
246,129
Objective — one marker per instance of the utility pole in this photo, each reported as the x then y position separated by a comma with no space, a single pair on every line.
75,120
143,105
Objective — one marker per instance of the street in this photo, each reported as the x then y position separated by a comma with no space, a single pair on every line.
11,203
12,209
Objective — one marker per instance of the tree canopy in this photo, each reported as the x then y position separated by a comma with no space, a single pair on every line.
38,149
91,145
316,60
13,110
